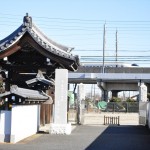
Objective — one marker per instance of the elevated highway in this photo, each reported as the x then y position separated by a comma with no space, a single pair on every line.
92,74
114,79
99,69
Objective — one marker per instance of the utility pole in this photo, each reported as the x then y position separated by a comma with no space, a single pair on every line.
94,94
104,50
116,47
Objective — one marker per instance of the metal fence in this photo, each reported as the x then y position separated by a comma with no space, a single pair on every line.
128,107
125,107
122,107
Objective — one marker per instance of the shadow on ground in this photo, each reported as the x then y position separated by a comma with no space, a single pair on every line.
122,138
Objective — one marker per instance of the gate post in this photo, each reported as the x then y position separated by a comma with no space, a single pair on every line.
142,92
60,125
80,103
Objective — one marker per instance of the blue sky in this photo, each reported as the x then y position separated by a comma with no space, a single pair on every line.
79,24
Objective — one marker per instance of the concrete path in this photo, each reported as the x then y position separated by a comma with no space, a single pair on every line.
85,137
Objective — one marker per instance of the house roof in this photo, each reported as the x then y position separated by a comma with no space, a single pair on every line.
49,45
27,94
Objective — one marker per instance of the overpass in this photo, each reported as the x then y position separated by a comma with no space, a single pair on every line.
114,79
99,69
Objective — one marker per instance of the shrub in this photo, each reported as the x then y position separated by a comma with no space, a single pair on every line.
115,99
130,99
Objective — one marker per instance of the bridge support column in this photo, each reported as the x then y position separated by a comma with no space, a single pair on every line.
148,87
105,95
60,125
114,93
142,92
102,86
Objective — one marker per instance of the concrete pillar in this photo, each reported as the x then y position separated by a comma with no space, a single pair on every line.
60,125
142,92
81,103
114,93
104,95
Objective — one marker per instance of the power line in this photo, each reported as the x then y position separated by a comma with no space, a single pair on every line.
115,56
59,18
90,27
121,50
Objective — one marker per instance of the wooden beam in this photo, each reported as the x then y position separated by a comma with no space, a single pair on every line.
9,51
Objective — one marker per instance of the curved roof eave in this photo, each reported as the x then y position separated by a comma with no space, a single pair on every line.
48,40
38,37
48,44
12,38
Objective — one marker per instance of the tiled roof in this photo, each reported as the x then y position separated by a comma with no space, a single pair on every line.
26,94
40,38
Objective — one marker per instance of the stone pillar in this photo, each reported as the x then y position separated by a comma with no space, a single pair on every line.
81,103
142,92
60,125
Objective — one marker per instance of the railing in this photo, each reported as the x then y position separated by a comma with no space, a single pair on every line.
127,107
108,120
122,107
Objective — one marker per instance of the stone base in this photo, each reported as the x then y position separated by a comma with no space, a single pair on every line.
60,128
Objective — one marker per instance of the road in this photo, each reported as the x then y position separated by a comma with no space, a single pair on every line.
85,137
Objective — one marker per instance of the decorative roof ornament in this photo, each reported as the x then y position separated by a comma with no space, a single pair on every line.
27,21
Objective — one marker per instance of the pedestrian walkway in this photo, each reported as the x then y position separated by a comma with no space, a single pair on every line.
85,137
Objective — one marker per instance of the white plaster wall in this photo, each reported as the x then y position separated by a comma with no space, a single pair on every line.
24,121
5,125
